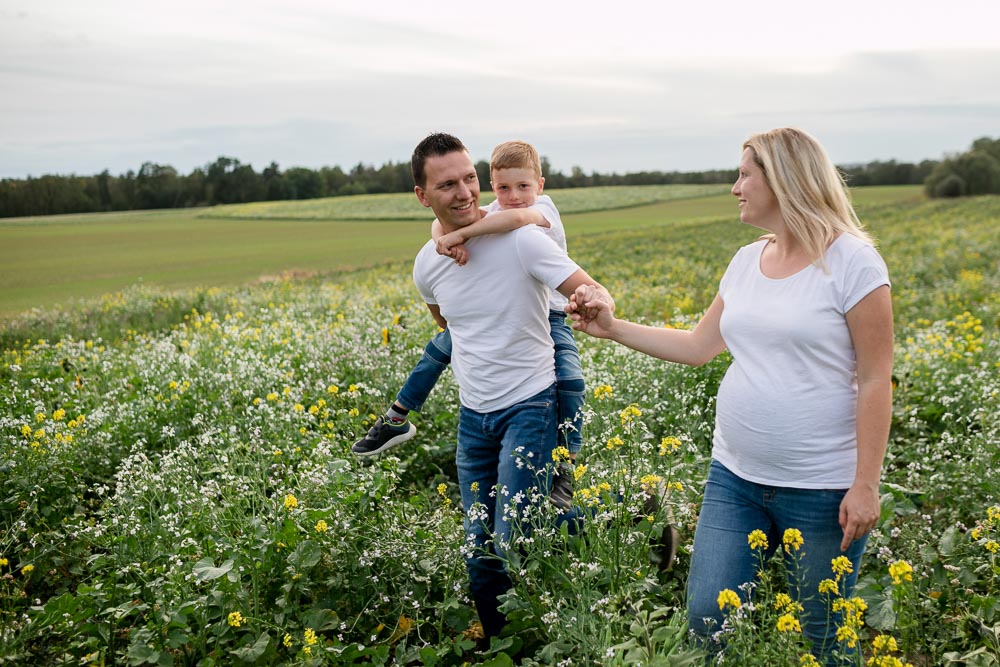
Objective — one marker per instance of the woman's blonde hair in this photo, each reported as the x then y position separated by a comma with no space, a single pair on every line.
812,195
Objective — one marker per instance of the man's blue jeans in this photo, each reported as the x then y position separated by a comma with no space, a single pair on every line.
722,558
504,460
569,378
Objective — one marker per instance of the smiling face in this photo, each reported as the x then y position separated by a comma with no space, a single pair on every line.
758,205
516,188
451,190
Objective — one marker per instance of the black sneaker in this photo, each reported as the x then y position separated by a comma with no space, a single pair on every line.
563,480
382,436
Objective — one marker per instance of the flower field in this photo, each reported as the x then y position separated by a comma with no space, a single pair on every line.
176,485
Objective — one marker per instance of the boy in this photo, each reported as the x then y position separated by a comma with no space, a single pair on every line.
516,177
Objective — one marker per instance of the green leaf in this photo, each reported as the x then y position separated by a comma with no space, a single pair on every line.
205,570
255,651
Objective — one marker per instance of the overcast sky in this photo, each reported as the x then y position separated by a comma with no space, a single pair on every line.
616,85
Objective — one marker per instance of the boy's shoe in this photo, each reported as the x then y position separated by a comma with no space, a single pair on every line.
382,436
563,480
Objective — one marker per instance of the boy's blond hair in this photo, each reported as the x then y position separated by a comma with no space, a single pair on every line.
516,155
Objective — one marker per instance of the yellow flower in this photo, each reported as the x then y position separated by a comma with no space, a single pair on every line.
4,562
25,430
976,532
291,502
792,540
847,635
669,444
829,586
474,487
649,482
900,570
757,539
614,442
278,452
629,414
788,623
992,546
385,336
782,600
298,407
808,660
560,454
603,391
332,389
27,569
728,598
321,526
287,641
885,643
309,636
993,513
39,417
236,619
272,396
59,415
841,565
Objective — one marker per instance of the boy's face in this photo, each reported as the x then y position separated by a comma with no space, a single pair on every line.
516,188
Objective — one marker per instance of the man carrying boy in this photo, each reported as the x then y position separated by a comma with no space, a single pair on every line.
516,176
496,308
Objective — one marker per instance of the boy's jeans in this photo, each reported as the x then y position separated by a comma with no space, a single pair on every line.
569,378
722,558
509,450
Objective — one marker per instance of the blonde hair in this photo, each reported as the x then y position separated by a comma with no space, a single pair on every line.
516,155
812,195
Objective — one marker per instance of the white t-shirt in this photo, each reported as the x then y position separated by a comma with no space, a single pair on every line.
544,205
496,308
785,414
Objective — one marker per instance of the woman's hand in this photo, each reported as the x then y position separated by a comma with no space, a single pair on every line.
591,311
859,512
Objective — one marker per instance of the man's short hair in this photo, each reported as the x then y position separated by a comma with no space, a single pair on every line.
433,145
516,155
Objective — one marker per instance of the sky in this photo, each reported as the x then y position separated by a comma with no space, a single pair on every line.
607,86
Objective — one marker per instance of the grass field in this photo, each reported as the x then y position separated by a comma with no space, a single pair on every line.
60,259
176,485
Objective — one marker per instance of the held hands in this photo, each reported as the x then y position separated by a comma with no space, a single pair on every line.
592,311
859,512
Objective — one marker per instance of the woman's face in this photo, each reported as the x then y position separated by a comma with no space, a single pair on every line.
758,205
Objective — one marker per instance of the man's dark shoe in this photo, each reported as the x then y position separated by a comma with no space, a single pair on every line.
563,480
382,436
662,549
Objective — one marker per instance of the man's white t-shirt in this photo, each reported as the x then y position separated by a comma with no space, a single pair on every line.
496,308
786,408
544,205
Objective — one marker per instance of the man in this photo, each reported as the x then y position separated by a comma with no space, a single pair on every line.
496,307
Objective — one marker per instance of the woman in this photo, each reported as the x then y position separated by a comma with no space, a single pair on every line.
802,416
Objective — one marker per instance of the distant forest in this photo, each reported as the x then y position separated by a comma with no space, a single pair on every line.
229,181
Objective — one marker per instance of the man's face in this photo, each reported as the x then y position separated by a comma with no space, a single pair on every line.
516,188
451,189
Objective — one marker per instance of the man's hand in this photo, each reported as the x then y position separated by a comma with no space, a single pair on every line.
592,311
859,512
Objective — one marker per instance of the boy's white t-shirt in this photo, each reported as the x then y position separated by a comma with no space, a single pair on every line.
544,205
785,414
496,308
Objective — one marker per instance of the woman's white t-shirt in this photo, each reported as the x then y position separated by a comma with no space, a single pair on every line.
786,408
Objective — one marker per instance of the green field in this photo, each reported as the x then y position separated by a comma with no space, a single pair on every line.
177,486
60,259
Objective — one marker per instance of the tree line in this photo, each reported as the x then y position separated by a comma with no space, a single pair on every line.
229,181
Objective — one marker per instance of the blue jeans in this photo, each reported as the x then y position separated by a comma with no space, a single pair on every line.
507,450
722,558
569,378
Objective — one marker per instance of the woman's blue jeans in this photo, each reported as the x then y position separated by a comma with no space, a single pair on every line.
504,461
722,558
569,378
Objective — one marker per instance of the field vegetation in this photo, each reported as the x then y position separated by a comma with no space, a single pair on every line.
176,485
